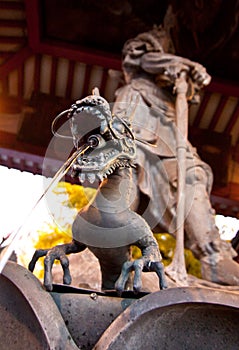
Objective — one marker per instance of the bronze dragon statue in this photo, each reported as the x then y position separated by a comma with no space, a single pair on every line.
107,225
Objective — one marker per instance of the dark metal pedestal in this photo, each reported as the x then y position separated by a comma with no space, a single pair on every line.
71,318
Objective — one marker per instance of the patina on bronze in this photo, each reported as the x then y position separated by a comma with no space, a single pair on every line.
107,226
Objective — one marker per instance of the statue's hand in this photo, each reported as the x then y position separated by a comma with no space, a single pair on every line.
166,65
171,67
199,75
138,266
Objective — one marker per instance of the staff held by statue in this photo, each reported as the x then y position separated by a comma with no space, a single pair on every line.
187,78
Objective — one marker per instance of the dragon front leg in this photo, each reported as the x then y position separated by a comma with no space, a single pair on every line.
58,252
149,262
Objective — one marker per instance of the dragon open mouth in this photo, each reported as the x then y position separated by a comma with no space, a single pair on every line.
110,139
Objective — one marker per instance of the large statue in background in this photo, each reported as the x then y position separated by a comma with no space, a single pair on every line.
151,70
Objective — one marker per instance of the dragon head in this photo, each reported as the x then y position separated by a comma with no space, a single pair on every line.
110,139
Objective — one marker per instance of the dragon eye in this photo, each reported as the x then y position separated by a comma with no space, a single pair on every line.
93,141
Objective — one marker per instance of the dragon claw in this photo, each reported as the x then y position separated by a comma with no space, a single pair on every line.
56,253
138,266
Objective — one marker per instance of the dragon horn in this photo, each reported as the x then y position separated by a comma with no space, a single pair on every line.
96,91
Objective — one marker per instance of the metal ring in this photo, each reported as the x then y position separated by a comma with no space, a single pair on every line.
55,133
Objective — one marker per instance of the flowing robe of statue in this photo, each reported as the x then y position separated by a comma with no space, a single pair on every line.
154,122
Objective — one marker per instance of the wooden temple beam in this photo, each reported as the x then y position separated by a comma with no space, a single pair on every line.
5,86
85,90
70,78
13,39
232,121
13,23
54,64
201,109
5,54
21,74
104,81
11,142
15,61
11,5
73,54
218,112
32,9
69,52
37,72
223,87
11,105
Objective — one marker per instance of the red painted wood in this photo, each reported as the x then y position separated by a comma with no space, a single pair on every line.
21,80
13,23
85,90
11,5
5,53
104,81
5,86
237,143
11,142
67,51
91,58
218,112
201,109
13,40
233,120
32,10
230,192
11,104
53,75
4,56
37,74
15,61
223,87
70,78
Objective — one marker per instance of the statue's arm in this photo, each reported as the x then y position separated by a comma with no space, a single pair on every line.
168,64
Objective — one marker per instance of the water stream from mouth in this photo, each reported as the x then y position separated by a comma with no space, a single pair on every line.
19,233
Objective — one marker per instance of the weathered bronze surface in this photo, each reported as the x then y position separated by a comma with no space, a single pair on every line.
181,318
71,318
107,226
29,317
